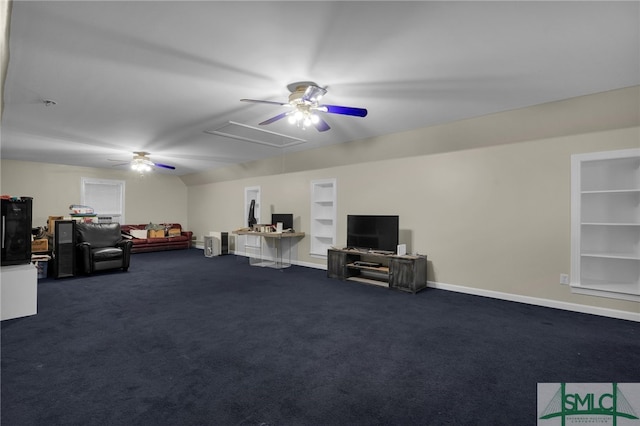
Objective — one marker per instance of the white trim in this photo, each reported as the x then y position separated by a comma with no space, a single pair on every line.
575,200
278,136
604,293
567,306
609,155
314,234
546,303
577,254
112,182
251,242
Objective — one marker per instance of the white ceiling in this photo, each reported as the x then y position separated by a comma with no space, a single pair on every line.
156,75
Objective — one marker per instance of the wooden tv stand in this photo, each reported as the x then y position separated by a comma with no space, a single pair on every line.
406,273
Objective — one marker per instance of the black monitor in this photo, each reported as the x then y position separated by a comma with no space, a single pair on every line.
285,218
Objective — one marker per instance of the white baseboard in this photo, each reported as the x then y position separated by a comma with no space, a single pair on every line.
547,303
309,265
573,307
293,261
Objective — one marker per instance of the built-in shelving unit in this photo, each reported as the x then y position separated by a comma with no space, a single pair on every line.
605,228
323,216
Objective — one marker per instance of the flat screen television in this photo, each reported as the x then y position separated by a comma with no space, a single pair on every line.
370,232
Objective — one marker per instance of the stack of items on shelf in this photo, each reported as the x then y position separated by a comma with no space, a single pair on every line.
82,213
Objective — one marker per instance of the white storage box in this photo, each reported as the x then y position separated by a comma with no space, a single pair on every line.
138,233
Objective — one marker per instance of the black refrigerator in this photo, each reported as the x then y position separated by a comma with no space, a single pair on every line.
16,231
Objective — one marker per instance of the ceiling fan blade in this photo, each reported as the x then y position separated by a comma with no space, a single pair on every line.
164,166
336,109
321,125
273,119
264,102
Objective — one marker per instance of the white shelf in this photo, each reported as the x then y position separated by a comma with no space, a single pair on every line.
612,191
598,282
323,216
611,256
605,226
610,207
610,224
610,171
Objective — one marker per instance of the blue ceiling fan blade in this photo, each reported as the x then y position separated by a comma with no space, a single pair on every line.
321,125
336,109
164,166
276,118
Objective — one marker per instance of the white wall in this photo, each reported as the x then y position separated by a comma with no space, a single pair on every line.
494,218
154,198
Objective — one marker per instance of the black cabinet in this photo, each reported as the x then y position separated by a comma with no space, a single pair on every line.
406,273
409,274
16,231
336,264
64,249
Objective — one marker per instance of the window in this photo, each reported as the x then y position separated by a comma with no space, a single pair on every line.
105,197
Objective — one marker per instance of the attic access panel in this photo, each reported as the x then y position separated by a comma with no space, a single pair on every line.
248,133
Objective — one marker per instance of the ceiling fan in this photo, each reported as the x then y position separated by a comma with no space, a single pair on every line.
304,103
141,162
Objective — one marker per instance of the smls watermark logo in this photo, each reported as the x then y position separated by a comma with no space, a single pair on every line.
589,404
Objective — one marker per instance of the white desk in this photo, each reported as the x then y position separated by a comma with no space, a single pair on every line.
19,291
273,240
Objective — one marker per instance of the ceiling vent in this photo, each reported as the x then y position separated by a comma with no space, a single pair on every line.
247,133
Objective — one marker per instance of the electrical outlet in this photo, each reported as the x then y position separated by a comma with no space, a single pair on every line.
564,279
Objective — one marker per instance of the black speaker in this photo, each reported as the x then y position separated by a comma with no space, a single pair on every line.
64,249
224,243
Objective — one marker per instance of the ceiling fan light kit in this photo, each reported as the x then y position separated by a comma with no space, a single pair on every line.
142,164
304,103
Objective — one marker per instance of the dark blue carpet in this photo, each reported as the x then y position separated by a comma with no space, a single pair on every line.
182,339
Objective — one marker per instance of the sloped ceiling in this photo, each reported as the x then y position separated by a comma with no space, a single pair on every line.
160,76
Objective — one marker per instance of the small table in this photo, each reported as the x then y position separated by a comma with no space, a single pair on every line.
272,239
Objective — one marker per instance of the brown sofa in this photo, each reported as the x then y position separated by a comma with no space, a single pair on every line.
171,240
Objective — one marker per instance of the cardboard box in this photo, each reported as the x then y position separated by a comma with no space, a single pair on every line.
52,223
156,233
40,245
